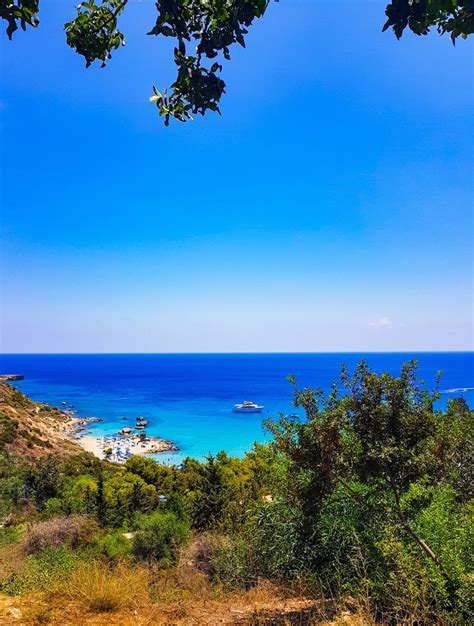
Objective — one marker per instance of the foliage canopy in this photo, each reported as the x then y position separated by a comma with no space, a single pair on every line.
204,32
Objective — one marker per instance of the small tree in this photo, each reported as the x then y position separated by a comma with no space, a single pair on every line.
126,494
80,495
211,497
373,441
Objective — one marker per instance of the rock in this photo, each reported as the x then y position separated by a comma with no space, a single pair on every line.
14,612
5,377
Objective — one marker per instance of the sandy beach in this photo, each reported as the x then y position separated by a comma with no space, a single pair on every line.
123,446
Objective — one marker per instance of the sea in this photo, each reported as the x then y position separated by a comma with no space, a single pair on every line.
188,398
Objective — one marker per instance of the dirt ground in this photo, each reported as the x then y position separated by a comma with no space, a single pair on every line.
240,609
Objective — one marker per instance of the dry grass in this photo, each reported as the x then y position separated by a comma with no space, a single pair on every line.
103,589
128,595
144,596
197,555
262,606
11,560
74,530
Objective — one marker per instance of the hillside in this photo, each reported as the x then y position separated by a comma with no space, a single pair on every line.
30,429
85,541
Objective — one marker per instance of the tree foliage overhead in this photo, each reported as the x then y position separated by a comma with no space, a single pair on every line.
205,30
19,13
455,17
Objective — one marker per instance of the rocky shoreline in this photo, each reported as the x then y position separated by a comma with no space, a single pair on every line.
4,378
35,429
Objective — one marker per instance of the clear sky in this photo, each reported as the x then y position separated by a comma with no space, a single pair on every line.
328,209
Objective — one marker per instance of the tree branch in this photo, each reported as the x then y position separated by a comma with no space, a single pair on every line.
120,7
421,542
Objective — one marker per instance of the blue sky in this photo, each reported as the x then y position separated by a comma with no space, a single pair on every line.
328,209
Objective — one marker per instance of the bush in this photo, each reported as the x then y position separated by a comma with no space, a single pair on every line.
10,534
74,531
230,564
86,464
41,572
161,477
268,546
8,428
103,589
199,553
160,537
114,546
414,585
53,508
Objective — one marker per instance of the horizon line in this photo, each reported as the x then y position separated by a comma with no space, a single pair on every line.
309,352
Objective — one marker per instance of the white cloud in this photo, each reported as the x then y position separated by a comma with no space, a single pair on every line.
381,322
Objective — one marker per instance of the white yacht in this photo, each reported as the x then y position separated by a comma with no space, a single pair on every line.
248,407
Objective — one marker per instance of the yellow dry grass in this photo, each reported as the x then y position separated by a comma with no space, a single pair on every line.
11,559
132,595
102,589
237,611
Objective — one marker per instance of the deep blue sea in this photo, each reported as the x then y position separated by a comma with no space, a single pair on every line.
189,397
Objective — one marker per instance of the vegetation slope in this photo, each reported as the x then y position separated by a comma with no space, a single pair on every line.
31,430
361,511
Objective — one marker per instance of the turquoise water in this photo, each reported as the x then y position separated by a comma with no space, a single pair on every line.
188,398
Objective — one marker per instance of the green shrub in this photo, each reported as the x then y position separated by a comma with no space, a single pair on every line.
11,534
160,536
269,546
54,507
19,400
161,477
11,485
114,546
85,464
447,526
8,428
274,536
231,565
42,571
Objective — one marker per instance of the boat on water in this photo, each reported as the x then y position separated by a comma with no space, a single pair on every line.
248,407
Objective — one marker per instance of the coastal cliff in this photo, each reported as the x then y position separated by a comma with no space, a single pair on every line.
31,429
